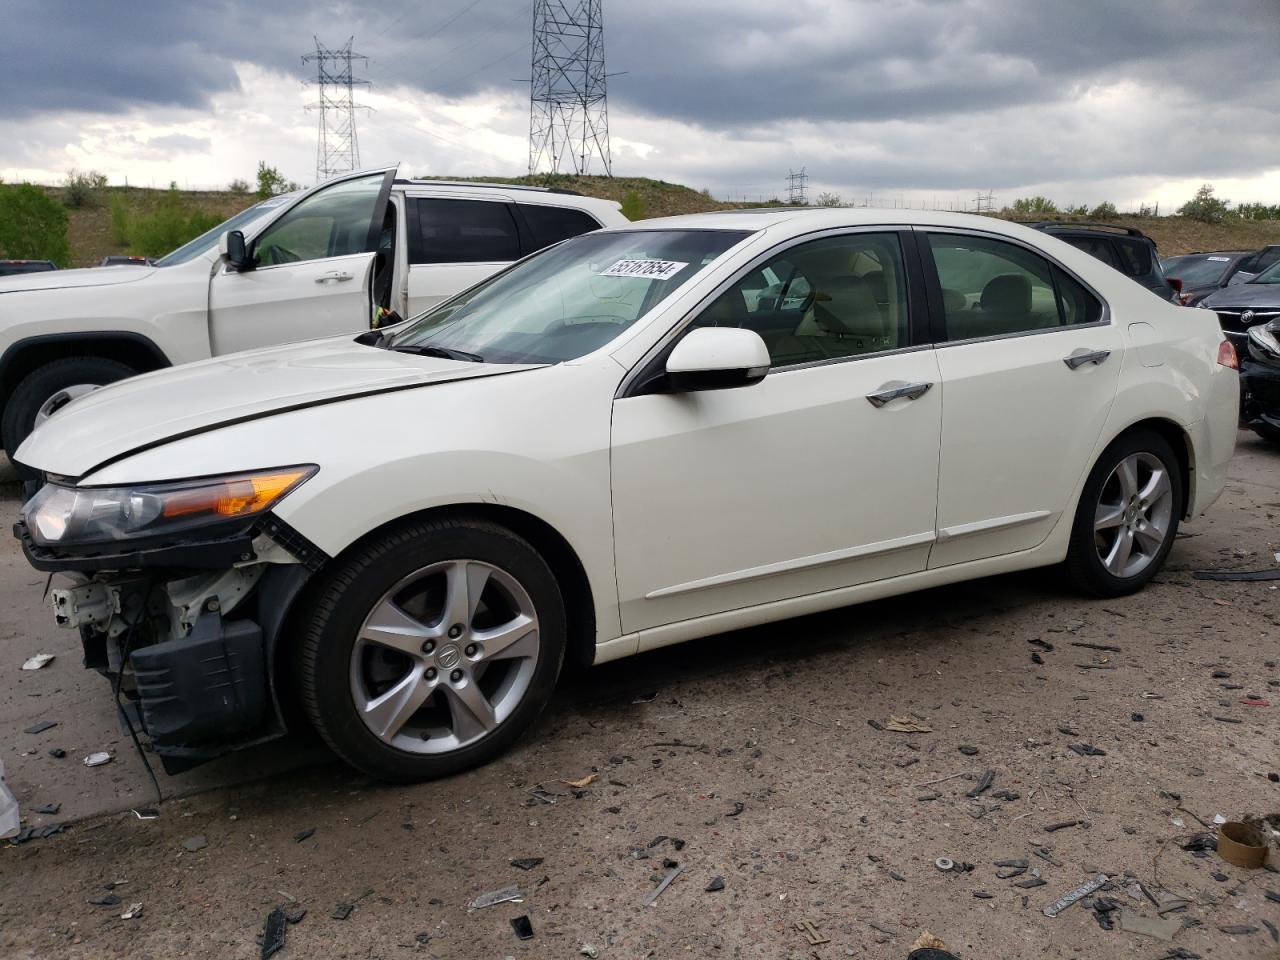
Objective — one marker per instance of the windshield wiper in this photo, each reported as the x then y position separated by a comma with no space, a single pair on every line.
431,350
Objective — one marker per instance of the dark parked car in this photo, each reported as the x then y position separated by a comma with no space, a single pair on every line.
1203,273
1127,249
10,267
1241,305
117,259
1262,260
1260,381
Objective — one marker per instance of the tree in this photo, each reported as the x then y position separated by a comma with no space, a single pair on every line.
1037,204
1205,207
1103,211
829,200
238,186
33,226
271,181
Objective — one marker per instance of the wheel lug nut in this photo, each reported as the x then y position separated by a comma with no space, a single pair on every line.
455,631
455,676
429,646
470,650
431,673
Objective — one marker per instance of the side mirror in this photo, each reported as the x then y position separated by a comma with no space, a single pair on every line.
717,358
232,246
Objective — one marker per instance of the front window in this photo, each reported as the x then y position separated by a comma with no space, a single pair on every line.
244,220
568,301
1197,271
333,222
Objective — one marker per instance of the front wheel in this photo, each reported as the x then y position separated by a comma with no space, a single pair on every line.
49,388
432,649
1128,516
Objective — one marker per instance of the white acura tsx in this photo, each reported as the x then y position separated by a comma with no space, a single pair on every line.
636,437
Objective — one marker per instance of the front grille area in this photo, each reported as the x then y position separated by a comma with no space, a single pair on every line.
1229,317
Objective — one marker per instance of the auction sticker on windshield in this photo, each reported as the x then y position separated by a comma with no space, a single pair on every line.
648,269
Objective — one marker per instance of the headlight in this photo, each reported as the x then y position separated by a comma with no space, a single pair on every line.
60,515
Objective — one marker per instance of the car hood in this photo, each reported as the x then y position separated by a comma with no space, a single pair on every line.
180,401
1246,295
88,277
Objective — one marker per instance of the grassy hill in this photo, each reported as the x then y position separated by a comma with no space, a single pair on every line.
92,234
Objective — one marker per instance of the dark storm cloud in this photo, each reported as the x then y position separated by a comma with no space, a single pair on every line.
960,91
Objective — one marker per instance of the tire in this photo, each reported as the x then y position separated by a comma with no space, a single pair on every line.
44,384
414,689
1108,486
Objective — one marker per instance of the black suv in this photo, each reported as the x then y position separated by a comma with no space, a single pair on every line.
1127,249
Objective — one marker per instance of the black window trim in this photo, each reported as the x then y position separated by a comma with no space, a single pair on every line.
648,370
937,313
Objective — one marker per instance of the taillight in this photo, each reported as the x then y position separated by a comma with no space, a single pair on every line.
1227,355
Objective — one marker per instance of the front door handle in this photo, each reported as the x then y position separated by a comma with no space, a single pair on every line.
907,391
1080,357
333,276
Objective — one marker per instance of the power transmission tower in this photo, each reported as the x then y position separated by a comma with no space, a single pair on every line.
568,109
797,183
337,151
984,203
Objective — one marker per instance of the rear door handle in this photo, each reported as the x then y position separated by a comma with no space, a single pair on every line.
907,391
333,276
1080,357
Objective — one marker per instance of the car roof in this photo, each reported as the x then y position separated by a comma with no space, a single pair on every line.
800,220
1209,253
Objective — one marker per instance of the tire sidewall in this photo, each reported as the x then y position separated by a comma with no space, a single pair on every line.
43,382
363,582
1084,555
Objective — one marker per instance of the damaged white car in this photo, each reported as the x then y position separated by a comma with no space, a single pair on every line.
636,437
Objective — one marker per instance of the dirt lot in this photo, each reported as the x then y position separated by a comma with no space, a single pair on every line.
749,757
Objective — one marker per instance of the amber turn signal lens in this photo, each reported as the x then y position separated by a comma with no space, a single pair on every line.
234,497
1227,355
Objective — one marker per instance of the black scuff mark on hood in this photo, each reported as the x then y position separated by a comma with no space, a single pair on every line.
276,411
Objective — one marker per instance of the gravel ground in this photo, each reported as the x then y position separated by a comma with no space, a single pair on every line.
750,757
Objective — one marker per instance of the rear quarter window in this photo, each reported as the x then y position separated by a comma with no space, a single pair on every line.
1135,257
548,225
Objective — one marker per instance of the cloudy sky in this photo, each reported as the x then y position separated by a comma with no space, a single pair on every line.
915,100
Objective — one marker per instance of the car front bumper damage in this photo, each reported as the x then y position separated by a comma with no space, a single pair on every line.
187,633
1259,395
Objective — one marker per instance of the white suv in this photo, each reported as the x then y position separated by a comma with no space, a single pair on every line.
338,258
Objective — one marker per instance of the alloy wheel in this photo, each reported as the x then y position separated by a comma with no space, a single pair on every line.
444,657
1133,514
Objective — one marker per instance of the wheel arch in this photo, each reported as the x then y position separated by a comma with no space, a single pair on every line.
565,565
22,357
1183,448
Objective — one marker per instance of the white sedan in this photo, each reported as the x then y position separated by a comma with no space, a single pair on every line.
633,438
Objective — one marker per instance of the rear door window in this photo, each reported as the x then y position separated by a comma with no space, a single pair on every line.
548,225
1097,248
443,230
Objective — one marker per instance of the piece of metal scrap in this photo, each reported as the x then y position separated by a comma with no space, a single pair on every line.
1079,893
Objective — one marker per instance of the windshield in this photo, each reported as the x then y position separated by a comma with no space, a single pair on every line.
569,300
209,239
1269,275
1197,271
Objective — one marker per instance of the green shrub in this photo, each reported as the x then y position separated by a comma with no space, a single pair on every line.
33,226
238,186
271,182
829,200
82,189
1205,207
119,218
166,228
1106,210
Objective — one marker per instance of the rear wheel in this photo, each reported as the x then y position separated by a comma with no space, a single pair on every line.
49,388
1128,516
432,649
